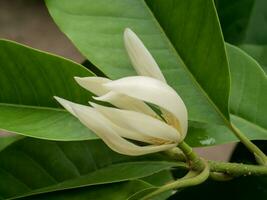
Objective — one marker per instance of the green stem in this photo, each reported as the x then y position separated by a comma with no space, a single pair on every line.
175,154
237,169
231,169
194,160
217,176
183,182
260,156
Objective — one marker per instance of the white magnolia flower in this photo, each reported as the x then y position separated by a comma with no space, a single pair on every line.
133,119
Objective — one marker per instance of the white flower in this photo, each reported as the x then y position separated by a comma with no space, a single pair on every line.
133,119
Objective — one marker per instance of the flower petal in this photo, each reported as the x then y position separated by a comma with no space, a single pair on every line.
141,59
66,104
101,126
125,102
153,91
93,84
157,131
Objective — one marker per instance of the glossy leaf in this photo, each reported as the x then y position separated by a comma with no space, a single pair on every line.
248,99
8,138
28,80
244,24
118,191
64,165
157,180
258,52
178,37
243,21
248,104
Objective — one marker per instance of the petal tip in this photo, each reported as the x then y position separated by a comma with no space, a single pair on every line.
78,79
68,105
60,100
95,98
127,31
100,98
92,104
130,38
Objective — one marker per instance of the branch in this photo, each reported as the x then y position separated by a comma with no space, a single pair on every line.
195,162
237,169
183,182
231,169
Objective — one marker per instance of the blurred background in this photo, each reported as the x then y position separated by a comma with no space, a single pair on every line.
28,22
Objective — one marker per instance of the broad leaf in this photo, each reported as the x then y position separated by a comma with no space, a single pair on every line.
248,99
8,138
258,52
118,191
243,21
28,80
64,165
157,180
244,24
248,103
178,34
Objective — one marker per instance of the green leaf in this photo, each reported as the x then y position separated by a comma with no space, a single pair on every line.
248,99
159,179
93,68
118,191
258,52
156,180
8,138
34,166
28,80
248,104
142,193
178,34
243,21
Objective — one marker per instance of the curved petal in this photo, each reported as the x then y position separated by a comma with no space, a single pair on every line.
101,126
125,102
93,84
158,131
153,91
68,105
142,61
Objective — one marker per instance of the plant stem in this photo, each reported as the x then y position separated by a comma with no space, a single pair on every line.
175,154
237,169
217,176
194,160
183,182
260,156
231,169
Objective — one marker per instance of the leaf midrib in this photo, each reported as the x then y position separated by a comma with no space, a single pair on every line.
53,188
251,123
194,81
32,107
